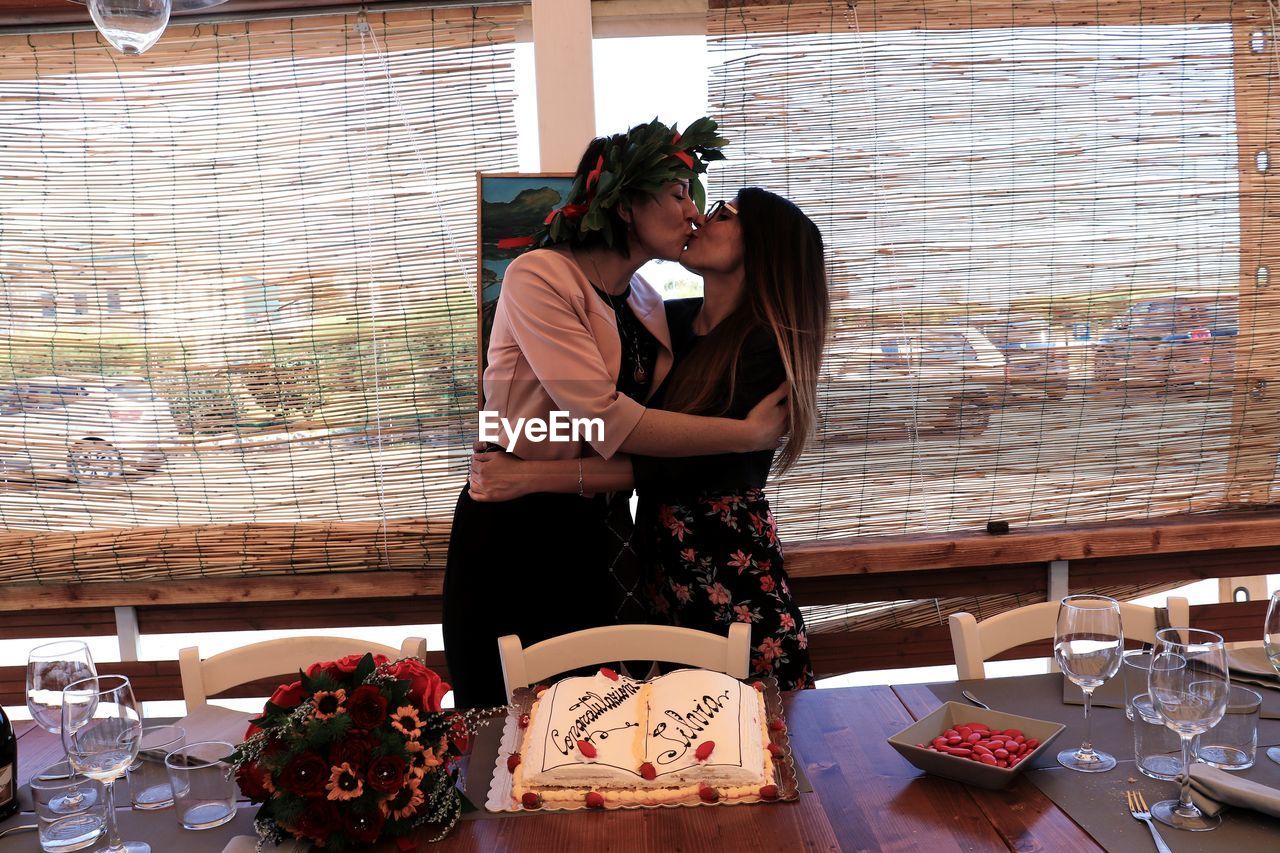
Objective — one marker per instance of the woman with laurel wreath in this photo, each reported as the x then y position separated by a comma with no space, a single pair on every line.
577,331
706,530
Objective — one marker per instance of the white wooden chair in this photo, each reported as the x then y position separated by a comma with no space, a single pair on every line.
202,679
973,642
524,666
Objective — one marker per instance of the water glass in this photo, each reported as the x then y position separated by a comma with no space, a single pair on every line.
203,789
1157,750
67,822
1233,743
149,786
1134,666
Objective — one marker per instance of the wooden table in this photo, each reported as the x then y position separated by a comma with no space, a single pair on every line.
866,797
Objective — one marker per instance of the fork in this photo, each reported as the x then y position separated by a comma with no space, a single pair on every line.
1138,808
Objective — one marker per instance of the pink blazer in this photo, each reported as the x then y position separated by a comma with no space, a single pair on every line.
555,346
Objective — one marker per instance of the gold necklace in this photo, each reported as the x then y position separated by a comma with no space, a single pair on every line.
630,341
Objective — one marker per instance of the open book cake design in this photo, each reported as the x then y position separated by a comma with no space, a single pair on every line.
688,735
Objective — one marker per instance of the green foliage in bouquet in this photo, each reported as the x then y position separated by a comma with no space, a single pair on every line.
354,752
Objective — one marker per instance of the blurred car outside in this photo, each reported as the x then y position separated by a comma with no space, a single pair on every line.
890,384
82,428
1175,342
1036,354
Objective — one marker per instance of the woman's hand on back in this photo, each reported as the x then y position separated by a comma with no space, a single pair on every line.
768,420
496,476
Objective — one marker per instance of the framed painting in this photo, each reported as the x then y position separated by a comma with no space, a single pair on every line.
510,205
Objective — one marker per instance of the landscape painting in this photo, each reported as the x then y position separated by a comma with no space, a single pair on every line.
512,206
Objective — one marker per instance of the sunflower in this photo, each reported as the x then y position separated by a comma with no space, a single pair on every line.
405,802
326,705
406,721
344,783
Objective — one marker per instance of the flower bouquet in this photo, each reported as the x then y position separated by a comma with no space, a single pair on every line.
354,752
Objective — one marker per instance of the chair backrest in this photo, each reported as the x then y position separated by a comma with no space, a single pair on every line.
974,642
202,679
524,666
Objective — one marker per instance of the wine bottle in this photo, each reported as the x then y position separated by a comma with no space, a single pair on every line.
8,768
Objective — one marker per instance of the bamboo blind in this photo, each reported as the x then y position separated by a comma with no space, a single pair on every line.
238,278
1047,246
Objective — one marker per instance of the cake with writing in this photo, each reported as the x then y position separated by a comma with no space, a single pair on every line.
688,736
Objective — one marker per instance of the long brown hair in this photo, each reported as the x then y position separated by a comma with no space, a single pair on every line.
785,292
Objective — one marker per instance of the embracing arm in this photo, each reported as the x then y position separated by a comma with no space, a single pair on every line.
663,433
497,476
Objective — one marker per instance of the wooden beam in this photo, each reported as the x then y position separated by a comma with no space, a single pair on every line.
992,14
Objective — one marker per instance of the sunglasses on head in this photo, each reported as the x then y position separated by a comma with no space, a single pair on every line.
714,211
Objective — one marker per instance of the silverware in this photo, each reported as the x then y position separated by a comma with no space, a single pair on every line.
974,699
1138,808
14,829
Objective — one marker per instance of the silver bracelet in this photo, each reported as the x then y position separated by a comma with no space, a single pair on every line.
580,477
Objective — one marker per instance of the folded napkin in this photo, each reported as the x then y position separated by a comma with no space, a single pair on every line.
249,844
1211,789
1251,665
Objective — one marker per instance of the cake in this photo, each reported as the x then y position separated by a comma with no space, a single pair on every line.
608,740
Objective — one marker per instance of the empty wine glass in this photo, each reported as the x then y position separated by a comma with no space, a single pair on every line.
101,730
50,668
1271,641
1087,644
1189,690
131,26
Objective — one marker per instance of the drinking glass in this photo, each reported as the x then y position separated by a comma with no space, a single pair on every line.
1189,690
1271,640
101,730
1087,643
50,668
64,825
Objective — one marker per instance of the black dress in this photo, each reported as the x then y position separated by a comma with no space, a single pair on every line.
710,540
543,564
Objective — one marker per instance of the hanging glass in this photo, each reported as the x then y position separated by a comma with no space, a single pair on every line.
131,26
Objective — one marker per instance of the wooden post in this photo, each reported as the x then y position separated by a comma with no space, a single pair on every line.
127,633
1255,419
566,95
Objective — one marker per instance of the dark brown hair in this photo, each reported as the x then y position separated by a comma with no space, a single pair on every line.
785,292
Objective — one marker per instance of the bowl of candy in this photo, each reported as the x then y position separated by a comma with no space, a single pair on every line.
987,749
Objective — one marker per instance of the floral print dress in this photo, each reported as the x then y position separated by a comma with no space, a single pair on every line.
710,539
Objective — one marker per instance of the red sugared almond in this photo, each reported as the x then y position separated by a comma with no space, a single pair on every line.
530,800
769,792
708,794
513,761
587,750
776,725
523,722
775,750
595,800
758,685
704,752
647,772
608,673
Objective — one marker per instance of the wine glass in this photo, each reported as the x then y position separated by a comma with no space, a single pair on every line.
101,730
1271,642
1087,643
1189,688
50,668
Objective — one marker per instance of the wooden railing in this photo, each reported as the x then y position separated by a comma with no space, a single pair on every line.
1043,563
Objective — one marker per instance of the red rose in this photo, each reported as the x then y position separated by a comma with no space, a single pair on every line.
305,775
254,782
319,821
354,749
339,669
386,774
365,827
425,687
251,731
367,707
288,696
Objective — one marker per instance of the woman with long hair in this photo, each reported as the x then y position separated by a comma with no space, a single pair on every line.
577,331
710,541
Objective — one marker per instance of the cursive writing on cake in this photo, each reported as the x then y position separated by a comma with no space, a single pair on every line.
595,706
687,726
